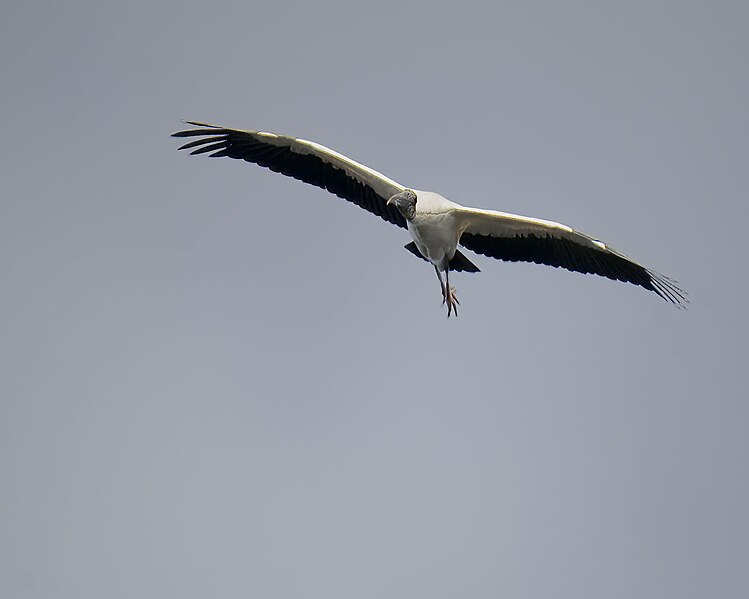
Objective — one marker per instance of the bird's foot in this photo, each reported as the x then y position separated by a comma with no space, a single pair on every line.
450,298
453,291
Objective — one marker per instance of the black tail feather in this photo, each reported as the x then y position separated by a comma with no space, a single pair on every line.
459,262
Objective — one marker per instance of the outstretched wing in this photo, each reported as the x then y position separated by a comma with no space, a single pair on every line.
521,239
304,160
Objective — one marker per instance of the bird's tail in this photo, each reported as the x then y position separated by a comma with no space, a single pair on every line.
458,263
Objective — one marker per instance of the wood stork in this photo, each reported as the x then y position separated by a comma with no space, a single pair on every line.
437,225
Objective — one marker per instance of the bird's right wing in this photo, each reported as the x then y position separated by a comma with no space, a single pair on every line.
301,159
516,238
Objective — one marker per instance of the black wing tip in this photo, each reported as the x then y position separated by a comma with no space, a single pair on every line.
669,290
204,129
211,138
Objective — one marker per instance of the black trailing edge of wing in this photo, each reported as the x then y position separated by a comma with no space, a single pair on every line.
563,253
309,168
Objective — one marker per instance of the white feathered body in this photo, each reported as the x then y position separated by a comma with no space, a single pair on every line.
435,228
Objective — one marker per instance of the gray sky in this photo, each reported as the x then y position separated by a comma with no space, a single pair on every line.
219,382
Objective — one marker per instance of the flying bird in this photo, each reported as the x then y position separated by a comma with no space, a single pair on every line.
437,225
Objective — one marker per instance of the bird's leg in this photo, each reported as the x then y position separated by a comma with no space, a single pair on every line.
442,285
449,294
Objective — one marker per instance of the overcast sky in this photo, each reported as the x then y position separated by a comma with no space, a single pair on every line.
219,382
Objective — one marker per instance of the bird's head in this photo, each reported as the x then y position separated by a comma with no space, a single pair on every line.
405,202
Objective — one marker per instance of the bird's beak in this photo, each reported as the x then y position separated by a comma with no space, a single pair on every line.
390,201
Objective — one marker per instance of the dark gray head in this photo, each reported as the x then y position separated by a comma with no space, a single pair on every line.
405,202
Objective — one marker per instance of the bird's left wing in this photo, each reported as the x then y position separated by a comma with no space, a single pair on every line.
517,238
301,159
